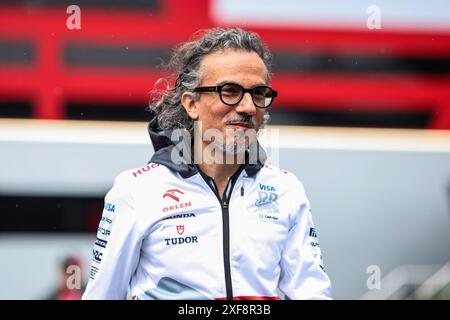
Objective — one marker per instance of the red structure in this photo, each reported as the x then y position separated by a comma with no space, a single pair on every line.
57,74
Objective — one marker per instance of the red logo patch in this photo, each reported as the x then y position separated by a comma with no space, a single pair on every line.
180,230
171,194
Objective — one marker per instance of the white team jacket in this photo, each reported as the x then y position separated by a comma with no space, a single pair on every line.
165,234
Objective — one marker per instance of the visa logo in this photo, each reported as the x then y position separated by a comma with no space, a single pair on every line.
263,187
110,207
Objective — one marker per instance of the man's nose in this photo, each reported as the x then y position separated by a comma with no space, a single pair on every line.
246,105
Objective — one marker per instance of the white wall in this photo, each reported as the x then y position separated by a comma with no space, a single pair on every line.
30,263
379,197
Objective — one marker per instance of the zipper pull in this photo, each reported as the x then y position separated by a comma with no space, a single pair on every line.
224,204
242,190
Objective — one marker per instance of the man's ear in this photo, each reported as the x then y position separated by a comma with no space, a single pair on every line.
189,103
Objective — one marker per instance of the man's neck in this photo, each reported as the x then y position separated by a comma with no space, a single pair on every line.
221,173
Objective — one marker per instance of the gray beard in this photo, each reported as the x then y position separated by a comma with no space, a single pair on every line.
235,146
230,148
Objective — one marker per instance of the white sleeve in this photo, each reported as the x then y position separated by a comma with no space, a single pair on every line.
302,273
115,254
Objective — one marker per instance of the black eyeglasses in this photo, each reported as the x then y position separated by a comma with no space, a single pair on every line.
231,94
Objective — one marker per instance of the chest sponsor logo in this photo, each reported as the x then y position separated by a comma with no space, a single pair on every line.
177,207
180,229
267,200
263,187
267,203
173,194
179,216
181,240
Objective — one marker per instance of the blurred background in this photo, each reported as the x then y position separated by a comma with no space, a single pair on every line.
363,117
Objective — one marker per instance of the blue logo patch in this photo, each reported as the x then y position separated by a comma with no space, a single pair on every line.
267,203
267,200
263,187
110,207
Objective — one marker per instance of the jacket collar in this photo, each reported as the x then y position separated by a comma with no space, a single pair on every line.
163,145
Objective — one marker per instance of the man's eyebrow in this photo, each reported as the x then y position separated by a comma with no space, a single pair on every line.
226,81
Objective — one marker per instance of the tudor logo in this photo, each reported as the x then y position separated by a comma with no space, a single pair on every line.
171,194
180,230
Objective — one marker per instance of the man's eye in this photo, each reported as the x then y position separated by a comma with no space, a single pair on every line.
259,93
230,91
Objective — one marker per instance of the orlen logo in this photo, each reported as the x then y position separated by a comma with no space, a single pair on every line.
174,195
177,206
145,169
171,194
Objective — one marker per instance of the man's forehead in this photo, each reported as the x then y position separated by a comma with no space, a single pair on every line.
226,64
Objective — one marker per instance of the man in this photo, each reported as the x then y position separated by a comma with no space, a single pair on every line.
210,220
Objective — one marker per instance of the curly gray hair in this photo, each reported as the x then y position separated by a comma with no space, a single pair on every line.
185,67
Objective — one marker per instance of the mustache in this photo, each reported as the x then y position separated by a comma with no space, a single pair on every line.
247,119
